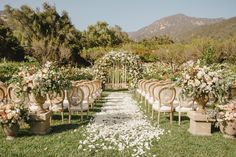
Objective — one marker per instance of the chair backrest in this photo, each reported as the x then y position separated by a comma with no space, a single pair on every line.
91,88
75,96
183,101
94,86
57,97
15,95
140,83
146,85
3,93
156,89
150,88
143,85
86,91
167,95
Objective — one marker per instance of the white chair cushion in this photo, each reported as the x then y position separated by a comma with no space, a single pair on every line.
150,100
183,109
157,107
78,108
175,103
46,104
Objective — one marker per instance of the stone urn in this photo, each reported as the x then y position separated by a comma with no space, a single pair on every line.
233,92
201,102
38,100
12,131
228,128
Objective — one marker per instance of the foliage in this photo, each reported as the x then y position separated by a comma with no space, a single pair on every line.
198,81
208,55
46,34
41,81
10,48
132,62
159,40
72,73
159,71
101,35
8,69
11,114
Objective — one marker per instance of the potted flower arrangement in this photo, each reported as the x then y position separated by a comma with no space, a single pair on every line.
226,118
200,82
10,116
38,82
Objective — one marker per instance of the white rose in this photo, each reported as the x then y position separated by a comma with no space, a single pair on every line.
197,82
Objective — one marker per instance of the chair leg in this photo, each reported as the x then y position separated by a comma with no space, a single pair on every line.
69,116
62,116
81,116
158,117
87,114
179,117
50,119
152,115
171,117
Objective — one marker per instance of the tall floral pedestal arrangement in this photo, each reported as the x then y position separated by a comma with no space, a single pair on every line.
202,83
40,123
38,83
200,124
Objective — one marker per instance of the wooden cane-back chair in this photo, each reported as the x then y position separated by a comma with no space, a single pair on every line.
75,98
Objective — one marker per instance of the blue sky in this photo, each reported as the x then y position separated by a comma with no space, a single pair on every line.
131,15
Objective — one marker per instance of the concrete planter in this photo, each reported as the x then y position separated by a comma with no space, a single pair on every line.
12,131
228,129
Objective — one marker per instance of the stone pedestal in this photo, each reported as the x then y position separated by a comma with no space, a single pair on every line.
40,123
199,124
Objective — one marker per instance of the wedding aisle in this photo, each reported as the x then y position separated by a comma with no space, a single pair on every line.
119,126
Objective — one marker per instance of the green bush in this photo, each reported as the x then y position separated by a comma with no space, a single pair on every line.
7,69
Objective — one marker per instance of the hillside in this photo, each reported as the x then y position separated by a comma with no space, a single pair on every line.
173,26
221,30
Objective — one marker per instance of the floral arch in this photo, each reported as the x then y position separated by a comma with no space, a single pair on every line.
118,70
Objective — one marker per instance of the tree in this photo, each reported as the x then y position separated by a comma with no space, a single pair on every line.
46,34
10,48
100,35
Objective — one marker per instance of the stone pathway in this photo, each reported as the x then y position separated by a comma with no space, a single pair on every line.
120,125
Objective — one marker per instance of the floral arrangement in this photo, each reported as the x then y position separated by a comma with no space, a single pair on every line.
227,112
159,71
42,80
72,73
199,81
131,62
11,114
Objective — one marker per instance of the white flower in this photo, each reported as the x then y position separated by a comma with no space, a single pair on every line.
197,82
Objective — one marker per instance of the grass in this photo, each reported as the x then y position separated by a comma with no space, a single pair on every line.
64,141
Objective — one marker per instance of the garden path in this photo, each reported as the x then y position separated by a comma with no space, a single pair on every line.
120,125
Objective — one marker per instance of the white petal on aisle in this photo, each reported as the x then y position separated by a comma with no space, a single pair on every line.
120,125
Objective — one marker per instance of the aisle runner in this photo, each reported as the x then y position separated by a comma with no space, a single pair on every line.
120,125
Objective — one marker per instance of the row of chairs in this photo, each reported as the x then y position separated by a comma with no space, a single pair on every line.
163,96
80,98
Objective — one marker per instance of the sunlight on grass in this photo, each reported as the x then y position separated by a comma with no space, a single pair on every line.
64,140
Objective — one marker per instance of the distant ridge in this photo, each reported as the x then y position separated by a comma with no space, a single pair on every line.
173,26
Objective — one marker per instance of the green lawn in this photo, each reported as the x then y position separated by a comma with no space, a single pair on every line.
64,141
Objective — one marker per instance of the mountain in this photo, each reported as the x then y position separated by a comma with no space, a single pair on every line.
220,30
173,26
